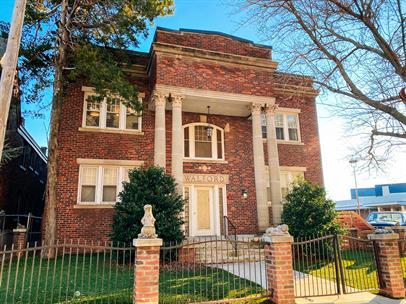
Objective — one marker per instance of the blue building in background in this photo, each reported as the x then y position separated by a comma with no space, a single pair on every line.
384,197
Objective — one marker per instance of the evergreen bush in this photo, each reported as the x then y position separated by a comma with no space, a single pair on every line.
308,212
148,186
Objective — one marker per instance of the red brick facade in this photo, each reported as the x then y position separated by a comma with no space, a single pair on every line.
189,72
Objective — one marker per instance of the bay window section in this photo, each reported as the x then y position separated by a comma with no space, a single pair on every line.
292,127
187,142
93,113
109,185
132,119
203,143
88,184
101,184
111,115
199,145
286,127
288,178
279,127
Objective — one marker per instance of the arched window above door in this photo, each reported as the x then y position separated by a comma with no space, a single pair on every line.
199,145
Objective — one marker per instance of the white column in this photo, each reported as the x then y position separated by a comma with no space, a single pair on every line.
177,141
273,165
259,168
160,139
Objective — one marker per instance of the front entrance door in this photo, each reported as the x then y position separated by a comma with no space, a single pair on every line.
203,211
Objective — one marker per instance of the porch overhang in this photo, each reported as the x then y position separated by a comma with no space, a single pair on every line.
221,103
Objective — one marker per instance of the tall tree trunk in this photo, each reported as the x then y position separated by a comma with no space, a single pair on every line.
50,233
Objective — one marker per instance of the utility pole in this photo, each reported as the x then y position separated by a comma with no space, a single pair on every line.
353,163
9,65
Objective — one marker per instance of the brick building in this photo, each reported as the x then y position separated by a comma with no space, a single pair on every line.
232,131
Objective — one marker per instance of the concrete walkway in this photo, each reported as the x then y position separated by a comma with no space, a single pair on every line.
307,284
355,298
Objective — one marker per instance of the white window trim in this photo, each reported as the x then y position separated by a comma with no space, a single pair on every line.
103,115
213,142
100,165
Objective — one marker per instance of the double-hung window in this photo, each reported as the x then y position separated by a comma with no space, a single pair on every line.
99,184
113,115
199,145
286,126
287,180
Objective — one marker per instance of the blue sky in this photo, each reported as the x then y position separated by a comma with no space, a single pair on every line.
218,15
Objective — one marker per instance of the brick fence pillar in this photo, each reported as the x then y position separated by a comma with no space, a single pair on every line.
20,238
146,269
388,262
278,265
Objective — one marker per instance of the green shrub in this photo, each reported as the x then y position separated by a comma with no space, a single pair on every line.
148,186
308,212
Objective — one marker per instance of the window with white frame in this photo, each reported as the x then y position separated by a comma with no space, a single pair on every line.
286,126
112,115
101,184
198,144
287,180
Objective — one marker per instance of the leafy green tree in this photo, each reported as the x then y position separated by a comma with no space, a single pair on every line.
308,212
9,153
64,40
148,186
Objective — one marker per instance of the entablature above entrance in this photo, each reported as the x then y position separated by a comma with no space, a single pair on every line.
221,103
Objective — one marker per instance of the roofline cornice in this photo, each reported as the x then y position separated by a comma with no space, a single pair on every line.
224,58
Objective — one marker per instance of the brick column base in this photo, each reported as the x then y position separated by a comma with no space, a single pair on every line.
279,268
20,238
146,271
390,268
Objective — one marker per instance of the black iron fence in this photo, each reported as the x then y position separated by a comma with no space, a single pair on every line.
333,264
67,272
10,221
210,269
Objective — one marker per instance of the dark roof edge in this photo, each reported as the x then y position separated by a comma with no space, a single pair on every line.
212,33
27,136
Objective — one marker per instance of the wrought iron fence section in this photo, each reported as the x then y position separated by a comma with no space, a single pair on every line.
315,266
10,221
67,272
359,261
334,264
211,270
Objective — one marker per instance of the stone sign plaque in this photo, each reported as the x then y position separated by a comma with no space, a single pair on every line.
207,179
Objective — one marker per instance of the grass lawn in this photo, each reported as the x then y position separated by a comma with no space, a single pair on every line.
358,266
99,279
204,284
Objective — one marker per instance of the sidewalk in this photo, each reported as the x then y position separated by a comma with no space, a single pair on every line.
256,274
355,298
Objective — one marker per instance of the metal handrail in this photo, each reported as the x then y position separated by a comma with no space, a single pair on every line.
227,224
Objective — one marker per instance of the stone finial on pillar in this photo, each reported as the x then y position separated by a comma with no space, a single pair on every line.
146,270
389,265
278,264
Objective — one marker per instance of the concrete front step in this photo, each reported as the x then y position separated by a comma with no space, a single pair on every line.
221,251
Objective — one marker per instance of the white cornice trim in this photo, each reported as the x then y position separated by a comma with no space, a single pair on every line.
166,89
287,110
111,162
292,168
92,90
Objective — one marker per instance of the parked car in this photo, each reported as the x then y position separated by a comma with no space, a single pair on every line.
387,218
